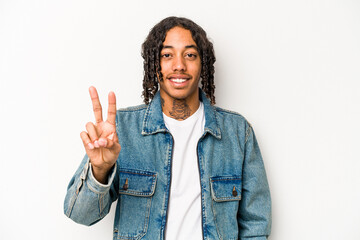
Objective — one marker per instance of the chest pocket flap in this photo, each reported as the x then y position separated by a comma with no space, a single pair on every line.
137,182
227,188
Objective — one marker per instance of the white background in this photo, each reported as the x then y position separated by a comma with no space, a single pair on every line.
290,67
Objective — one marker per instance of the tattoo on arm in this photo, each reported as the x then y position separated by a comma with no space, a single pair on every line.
180,110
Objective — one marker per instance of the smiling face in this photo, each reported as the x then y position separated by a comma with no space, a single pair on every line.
180,66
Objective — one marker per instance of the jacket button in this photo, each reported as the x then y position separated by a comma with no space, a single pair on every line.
126,185
234,192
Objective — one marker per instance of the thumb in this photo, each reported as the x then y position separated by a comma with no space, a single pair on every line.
109,143
113,137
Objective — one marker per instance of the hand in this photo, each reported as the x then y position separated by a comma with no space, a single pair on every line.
100,141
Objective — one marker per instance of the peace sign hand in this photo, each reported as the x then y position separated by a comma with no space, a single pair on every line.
100,141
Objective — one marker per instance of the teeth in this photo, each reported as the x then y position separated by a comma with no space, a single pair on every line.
178,80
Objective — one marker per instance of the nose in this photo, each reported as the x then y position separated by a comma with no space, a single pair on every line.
179,64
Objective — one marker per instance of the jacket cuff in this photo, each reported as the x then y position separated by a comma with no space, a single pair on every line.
255,238
96,186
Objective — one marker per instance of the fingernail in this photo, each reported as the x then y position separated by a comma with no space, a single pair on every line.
96,144
90,146
102,142
111,136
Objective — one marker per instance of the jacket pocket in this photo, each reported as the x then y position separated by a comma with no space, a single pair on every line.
226,194
136,188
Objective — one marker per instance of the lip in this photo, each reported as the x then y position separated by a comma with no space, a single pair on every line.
178,80
178,76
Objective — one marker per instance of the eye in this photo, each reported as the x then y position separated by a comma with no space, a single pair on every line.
191,55
166,55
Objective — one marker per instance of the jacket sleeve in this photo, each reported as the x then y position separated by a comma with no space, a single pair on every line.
87,201
254,215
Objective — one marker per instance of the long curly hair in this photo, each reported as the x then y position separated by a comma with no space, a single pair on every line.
153,45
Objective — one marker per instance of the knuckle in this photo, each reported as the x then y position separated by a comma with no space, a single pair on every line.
97,109
111,123
84,137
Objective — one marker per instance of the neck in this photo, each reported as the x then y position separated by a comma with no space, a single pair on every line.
179,109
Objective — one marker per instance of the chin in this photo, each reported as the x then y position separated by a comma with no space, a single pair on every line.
178,94
178,97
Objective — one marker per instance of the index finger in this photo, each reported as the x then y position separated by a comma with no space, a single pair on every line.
111,117
96,104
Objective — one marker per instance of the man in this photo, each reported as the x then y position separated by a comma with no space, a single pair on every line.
179,167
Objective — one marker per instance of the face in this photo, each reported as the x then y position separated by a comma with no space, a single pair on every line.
180,66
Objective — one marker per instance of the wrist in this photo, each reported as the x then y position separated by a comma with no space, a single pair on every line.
101,174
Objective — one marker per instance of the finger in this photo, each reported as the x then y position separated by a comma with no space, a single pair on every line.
86,140
112,108
91,129
111,136
96,104
103,141
114,137
114,144
110,144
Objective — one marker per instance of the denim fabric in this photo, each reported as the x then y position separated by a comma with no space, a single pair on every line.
235,195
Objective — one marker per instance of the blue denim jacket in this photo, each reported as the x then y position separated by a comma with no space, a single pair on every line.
235,195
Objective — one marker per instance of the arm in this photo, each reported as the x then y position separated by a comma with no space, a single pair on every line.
87,201
92,189
254,216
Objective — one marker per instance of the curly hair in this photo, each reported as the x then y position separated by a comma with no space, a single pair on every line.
153,45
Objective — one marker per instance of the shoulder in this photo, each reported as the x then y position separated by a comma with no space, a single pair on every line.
230,115
129,116
232,122
131,109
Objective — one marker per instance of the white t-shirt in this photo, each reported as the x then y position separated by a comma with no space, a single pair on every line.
184,211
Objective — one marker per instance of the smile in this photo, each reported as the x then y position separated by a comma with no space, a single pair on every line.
178,80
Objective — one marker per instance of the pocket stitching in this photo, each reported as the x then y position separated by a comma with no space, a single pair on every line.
148,198
139,193
224,199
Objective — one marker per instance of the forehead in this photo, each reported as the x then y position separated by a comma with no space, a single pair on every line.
178,36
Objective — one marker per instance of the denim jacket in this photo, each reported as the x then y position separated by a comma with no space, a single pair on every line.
235,196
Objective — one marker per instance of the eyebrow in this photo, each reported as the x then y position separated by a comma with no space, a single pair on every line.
188,46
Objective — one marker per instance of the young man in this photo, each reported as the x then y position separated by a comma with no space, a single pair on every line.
179,167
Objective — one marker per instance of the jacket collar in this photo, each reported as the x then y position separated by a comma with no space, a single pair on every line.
154,121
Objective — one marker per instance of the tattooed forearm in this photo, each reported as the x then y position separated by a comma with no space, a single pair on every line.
180,110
